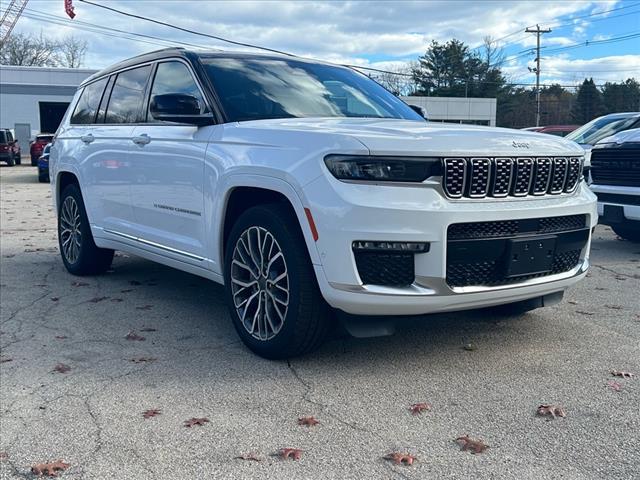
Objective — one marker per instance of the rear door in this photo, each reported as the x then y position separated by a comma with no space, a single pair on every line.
167,162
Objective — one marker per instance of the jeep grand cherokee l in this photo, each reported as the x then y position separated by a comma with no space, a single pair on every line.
302,185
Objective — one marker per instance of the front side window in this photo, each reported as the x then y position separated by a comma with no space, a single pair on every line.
127,96
260,88
85,111
3,136
175,77
9,136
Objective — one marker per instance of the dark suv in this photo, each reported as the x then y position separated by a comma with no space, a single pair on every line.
9,148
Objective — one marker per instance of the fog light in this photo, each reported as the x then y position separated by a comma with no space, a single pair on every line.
410,247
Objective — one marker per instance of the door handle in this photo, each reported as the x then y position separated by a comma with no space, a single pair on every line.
87,138
141,140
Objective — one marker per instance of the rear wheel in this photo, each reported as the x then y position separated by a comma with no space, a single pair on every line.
271,289
18,159
628,230
79,252
11,161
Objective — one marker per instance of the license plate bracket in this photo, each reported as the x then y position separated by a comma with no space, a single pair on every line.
530,256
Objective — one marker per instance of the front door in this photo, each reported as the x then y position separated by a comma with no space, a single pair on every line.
167,162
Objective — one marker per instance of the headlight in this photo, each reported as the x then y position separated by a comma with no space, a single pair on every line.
382,169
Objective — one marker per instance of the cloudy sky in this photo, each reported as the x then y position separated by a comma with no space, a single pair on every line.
381,34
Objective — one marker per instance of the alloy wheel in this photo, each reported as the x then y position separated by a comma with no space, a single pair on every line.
260,283
70,234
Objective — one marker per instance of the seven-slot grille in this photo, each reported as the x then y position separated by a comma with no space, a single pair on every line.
480,177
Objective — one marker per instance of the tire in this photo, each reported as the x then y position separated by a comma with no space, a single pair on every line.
18,160
34,161
628,230
11,161
288,331
83,257
43,178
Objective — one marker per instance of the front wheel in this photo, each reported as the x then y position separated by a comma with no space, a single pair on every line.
80,254
18,160
271,289
628,230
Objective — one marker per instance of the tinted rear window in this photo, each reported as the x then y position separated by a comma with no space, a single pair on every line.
127,96
3,136
44,138
85,111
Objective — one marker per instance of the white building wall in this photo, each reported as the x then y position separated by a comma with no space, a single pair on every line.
459,110
23,88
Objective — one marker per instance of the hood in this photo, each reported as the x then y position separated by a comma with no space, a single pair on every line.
408,137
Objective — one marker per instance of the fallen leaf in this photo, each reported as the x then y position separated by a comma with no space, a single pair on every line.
54,299
145,307
614,385
151,413
308,421
418,408
614,307
400,458
581,312
6,359
195,421
552,410
620,373
474,446
470,347
49,469
98,299
293,453
79,284
249,456
572,302
148,329
4,455
134,336
60,337
61,368
142,359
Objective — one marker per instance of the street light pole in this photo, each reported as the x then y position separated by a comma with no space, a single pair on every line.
538,31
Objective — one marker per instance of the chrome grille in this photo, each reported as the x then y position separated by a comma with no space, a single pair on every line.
504,176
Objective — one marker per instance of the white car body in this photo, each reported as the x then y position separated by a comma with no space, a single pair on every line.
162,192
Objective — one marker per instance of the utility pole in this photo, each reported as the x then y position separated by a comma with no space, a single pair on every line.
538,31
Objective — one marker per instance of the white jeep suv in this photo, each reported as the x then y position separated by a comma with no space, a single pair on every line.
302,185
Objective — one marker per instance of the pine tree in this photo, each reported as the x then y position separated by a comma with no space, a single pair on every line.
588,104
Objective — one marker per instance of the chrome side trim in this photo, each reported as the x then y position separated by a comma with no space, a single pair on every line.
155,245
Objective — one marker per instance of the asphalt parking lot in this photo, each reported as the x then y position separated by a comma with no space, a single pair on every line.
184,359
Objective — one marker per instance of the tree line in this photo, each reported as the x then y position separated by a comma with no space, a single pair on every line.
41,51
453,69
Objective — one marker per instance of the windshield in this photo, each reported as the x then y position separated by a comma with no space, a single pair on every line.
590,133
261,88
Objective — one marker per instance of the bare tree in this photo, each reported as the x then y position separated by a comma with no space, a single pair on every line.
32,51
71,52
397,80
40,51
493,53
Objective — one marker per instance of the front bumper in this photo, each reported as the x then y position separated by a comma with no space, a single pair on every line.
625,200
348,212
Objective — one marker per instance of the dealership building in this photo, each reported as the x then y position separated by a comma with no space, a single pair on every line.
33,100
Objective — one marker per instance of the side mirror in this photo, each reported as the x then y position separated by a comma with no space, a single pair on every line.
180,108
419,110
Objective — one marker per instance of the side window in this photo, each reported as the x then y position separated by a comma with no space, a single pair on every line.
85,111
127,96
175,77
9,136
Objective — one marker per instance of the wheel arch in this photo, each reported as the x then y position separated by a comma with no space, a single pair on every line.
65,178
244,192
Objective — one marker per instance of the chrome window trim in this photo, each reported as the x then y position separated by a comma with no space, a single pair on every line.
154,244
